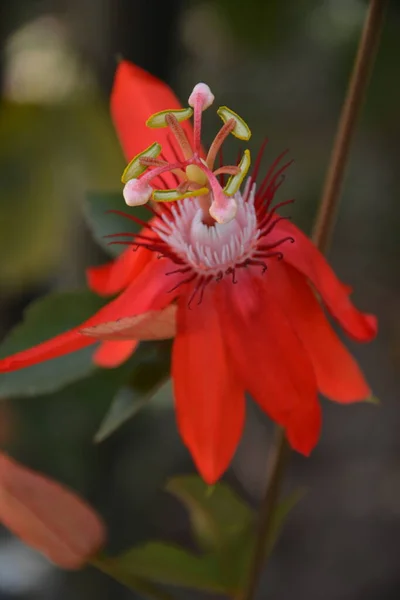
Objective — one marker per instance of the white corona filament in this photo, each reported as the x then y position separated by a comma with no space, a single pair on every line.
209,250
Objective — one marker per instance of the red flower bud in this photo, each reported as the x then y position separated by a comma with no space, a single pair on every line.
47,516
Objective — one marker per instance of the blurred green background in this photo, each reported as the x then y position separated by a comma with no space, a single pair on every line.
282,65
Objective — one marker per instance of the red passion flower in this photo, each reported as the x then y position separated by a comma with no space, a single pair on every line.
241,289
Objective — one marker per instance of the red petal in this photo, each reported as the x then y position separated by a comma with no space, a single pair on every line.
113,277
303,427
270,358
48,517
209,399
148,292
112,354
338,375
67,342
307,259
151,325
135,97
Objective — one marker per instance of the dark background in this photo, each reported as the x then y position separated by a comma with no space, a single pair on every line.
283,65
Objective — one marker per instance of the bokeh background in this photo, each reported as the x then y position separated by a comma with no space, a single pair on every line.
283,65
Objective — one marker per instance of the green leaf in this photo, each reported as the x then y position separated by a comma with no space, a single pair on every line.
222,570
128,403
144,587
217,514
59,426
147,383
102,222
167,564
282,512
44,319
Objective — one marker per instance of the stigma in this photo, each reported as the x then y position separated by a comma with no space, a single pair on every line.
194,170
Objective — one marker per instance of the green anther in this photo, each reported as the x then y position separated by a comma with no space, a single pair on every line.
135,168
235,181
241,130
158,119
173,195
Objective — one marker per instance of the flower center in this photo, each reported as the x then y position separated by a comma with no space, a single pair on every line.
196,175
204,254
211,250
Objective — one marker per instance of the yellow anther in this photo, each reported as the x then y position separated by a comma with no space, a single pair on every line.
235,181
135,168
241,130
173,195
158,119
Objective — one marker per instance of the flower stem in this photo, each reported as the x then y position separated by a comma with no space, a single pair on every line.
322,232
358,84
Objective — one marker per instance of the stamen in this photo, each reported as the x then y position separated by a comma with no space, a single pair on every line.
200,99
159,170
160,119
235,181
180,135
147,161
176,194
229,170
221,164
219,139
135,168
241,129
